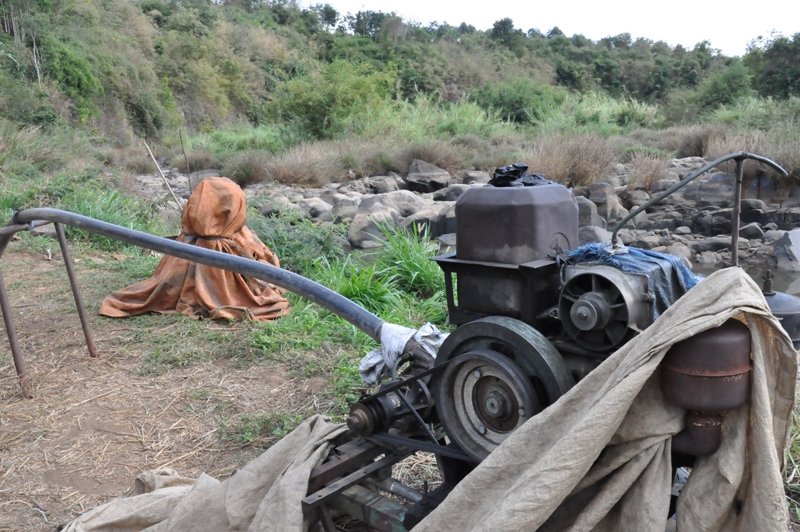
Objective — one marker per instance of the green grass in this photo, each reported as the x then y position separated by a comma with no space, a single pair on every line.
269,427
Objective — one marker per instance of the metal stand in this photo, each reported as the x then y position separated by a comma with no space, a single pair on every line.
13,341
736,214
76,291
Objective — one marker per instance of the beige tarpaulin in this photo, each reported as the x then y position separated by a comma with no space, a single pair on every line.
599,459
263,496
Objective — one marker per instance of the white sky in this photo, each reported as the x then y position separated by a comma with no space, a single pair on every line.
728,25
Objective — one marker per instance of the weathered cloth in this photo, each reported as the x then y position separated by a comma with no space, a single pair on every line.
263,496
599,458
214,219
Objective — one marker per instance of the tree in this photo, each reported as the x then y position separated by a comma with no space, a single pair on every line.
776,66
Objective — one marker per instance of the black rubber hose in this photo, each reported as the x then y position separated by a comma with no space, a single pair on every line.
322,296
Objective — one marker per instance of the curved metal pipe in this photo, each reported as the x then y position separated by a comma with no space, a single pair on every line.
738,156
322,296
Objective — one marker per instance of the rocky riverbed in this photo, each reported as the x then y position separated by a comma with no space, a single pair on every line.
693,224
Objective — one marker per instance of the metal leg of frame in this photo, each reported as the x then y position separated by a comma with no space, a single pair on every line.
13,341
76,291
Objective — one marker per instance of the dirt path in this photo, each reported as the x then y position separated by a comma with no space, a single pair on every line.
157,396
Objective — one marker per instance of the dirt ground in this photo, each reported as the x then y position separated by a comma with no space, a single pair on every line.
94,423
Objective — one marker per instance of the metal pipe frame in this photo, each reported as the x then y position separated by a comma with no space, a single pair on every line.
348,310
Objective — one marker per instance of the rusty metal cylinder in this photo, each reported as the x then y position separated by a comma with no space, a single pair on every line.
709,372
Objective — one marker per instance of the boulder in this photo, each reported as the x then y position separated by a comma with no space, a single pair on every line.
718,243
711,189
475,176
682,252
425,177
451,193
590,233
447,243
749,204
318,209
428,219
708,258
364,232
647,241
49,230
787,251
279,205
636,198
587,212
751,231
683,230
604,196
772,235
627,236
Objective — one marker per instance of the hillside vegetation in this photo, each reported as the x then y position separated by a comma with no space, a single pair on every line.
277,91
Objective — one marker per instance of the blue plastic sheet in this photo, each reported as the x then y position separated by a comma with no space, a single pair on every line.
668,277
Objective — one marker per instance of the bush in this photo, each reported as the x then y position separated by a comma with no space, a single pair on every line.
573,160
247,169
198,160
646,169
519,100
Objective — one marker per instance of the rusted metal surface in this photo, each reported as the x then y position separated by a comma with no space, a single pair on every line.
342,461
76,291
371,508
323,495
701,436
710,371
13,341
736,213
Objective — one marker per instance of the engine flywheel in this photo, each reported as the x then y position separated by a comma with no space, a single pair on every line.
501,373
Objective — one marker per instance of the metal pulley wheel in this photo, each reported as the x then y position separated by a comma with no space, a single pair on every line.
503,372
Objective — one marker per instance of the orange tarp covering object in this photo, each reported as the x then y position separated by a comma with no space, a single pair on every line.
214,219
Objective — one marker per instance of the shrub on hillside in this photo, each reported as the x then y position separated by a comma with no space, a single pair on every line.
519,100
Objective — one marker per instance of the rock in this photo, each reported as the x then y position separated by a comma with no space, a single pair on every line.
605,198
708,258
683,230
425,177
772,235
711,189
751,231
590,233
587,211
49,230
636,198
748,204
364,232
681,251
475,176
647,242
317,209
787,251
447,243
770,227
278,205
427,219
451,193
404,202
384,184
627,236
718,243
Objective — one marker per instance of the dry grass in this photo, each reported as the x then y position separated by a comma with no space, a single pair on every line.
781,146
247,169
646,170
574,160
305,164
198,160
96,423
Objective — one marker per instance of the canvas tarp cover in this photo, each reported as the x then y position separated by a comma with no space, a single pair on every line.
598,459
213,219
